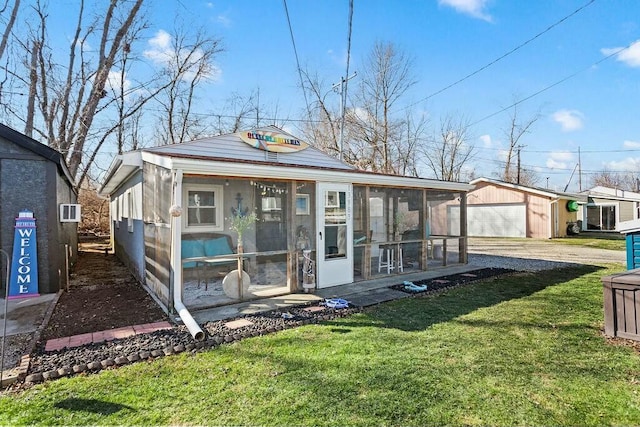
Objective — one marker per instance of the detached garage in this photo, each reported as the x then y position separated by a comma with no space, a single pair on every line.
501,209
508,220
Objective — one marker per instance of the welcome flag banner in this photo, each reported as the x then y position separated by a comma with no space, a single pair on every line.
24,265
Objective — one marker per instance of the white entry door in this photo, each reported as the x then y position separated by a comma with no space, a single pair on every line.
335,231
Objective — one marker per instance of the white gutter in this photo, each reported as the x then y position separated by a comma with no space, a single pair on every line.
176,260
284,171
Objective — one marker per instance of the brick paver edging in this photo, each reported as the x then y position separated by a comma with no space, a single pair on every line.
101,336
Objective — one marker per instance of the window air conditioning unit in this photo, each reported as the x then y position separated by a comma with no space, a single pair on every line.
69,212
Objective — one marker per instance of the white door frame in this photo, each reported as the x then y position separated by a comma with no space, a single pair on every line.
335,268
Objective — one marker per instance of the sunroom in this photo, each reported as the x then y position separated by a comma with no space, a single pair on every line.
260,213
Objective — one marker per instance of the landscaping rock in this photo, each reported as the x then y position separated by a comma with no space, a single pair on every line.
176,340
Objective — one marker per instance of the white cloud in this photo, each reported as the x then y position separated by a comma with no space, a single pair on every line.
116,79
160,50
570,120
486,140
631,144
553,164
474,8
630,164
559,160
163,53
563,156
629,56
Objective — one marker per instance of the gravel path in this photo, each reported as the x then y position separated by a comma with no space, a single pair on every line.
536,255
519,264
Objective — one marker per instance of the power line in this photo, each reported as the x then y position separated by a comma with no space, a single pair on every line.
345,81
295,51
624,150
570,76
479,70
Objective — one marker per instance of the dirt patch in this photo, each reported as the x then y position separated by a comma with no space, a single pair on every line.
102,295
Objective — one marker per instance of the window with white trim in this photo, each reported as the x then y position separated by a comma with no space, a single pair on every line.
203,207
69,212
118,198
130,211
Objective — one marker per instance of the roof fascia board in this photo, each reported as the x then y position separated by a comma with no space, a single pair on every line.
200,167
122,166
523,188
610,197
164,161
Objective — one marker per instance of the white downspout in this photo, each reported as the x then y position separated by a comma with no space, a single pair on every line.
176,260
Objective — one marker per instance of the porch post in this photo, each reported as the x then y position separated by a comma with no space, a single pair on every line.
463,228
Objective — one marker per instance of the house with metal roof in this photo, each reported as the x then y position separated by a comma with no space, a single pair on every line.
262,213
36,187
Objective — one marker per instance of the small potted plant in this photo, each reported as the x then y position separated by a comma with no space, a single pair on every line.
241,223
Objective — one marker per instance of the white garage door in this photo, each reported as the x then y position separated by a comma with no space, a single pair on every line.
497,221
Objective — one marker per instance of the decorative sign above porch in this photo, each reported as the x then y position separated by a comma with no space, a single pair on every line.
273,141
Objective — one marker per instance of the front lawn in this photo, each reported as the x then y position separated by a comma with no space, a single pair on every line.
612,241
525,349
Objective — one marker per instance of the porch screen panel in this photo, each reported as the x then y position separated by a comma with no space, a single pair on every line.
157,195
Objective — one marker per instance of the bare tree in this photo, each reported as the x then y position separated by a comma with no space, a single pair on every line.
69,98
449,150
386,77
186,63
92,96
408,146
324,128
513,133
9,27
629,181
95,210
375,138
243,111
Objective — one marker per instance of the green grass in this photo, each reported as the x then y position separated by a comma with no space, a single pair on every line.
519,350
614,242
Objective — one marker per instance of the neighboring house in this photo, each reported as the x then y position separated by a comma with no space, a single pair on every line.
34,177
320,222
607,207
501,209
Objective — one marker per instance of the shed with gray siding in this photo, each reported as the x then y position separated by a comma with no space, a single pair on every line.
35,177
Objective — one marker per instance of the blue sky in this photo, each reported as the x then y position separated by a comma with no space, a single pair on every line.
596,109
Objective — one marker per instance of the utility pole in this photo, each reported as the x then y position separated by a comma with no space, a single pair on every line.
343,101
518,178
579,172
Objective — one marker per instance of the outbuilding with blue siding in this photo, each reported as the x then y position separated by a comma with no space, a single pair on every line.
631,229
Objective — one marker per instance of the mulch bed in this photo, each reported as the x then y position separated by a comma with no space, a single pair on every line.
452,280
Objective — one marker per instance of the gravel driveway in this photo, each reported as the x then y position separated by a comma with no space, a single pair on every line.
535,255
